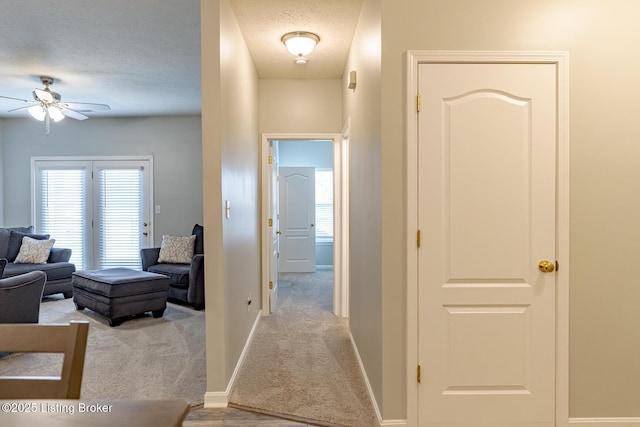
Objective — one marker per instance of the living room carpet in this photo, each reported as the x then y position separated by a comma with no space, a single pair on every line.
301,364
144,358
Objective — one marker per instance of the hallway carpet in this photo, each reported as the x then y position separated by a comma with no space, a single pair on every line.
301,363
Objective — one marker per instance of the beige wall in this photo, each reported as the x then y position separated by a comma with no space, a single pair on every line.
296,105
362,105
230,164
216,348
602,38
240,146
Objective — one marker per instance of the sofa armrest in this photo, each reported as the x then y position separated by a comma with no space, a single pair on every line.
149,257
195,294
59,255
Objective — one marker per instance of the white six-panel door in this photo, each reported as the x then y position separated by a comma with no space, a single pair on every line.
487,137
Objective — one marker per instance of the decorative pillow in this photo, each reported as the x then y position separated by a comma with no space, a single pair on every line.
176,249
34,251
15,241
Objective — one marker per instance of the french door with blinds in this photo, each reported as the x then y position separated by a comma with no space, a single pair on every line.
99,208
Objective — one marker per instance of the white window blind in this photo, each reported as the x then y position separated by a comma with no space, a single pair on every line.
120,217
324,204
62,210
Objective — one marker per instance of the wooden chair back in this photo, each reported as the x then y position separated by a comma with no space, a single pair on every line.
71,340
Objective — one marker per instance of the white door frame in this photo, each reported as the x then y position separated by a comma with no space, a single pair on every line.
561,60
340,215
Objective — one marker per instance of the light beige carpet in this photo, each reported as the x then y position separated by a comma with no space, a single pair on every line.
301,363
144,358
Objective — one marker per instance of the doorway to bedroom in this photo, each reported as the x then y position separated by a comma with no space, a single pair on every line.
303,188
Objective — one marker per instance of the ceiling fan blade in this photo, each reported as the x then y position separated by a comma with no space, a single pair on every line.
18,99
85,107
22,108
73,114
43,95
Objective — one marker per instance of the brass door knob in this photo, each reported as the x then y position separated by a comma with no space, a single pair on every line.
546,266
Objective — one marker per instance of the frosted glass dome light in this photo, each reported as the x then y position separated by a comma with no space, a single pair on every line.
300,44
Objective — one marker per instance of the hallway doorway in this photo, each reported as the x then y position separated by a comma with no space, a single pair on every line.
327,154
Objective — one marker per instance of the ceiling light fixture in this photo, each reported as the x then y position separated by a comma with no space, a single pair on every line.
300,44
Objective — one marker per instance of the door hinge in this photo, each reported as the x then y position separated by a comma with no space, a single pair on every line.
418,105
418,238
419,375
270,160
270,222
557,265
270,284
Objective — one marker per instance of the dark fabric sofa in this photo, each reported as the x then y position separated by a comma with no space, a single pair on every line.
58,269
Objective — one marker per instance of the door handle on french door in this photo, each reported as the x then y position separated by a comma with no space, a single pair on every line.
546,266
144,233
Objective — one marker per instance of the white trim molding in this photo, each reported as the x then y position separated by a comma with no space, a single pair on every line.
561,60
220,399
340,215
381,422
606,422
216,399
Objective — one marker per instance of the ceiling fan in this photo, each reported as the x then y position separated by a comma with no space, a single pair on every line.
47,105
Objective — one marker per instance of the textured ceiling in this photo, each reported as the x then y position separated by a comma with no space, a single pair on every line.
142,57
264,22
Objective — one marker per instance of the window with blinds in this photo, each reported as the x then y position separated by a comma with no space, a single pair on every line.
324,204
62,209
120,215
98,208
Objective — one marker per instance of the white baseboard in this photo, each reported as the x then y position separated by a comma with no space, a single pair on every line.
220,399
216,399
381,422
393,423
606,422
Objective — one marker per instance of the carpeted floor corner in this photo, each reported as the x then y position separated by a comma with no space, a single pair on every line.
144,358
301,363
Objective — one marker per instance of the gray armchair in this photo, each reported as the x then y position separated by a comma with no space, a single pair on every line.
186,281
20,297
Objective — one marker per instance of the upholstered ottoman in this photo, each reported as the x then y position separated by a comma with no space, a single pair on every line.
118,293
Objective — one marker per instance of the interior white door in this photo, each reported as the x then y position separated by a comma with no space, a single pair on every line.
487,215
274,244
297,220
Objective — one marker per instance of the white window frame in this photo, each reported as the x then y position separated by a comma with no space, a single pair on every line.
72,160
324,239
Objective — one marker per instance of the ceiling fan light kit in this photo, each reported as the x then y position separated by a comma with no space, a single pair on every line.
47,105
300,44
